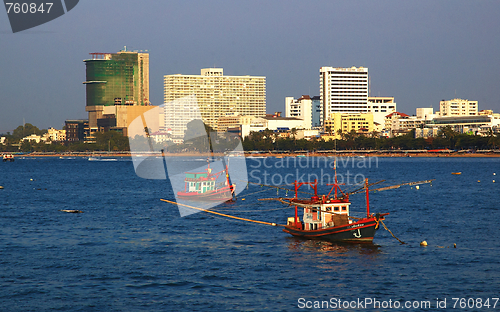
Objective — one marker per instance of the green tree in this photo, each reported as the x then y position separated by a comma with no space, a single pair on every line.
28,129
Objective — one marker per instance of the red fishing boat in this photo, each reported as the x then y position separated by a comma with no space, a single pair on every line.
328,218
205,186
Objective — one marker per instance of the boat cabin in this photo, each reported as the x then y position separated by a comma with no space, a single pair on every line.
331,213
199,182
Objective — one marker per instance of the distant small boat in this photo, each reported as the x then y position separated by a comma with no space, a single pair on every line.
456,173
71,211
8,157
93,158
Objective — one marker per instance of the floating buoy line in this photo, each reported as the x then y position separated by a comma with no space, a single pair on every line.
424,244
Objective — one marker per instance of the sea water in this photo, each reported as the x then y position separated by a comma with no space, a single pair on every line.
128,251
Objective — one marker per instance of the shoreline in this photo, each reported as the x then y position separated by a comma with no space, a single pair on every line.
360,154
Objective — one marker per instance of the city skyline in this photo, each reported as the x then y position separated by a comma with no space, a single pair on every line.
418,53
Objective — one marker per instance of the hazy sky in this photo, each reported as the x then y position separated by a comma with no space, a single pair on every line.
420,52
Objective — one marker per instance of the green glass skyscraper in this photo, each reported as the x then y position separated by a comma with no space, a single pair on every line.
114,79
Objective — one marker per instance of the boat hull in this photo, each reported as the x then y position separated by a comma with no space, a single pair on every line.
361,231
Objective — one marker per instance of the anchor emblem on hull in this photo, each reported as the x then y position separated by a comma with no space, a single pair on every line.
357,235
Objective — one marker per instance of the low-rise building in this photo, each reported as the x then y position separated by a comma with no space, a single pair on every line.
232,120
54,135
32,138
467,124
399,124
161,136
307,134
271,122
342,123
426,132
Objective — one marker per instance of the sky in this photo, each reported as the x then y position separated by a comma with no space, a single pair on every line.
419,52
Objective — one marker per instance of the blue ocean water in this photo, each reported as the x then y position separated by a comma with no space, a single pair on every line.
128,251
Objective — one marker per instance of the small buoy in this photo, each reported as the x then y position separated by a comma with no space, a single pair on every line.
454,245
242,199
494,173
478,181
1,187
417,187
71,211
423,243
31,179
273,224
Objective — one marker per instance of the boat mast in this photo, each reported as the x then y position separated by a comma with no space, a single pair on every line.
367,199
296,208
336,182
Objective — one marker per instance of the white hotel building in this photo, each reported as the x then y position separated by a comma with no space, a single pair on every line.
211,95
343,90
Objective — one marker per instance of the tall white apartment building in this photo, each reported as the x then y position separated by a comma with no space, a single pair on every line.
343,90
216,95
458,107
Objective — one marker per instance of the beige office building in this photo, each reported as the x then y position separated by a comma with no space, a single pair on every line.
215,95
458,107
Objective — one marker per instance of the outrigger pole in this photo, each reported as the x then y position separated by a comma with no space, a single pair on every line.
221,214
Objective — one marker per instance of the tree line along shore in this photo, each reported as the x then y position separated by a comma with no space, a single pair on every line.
447,142
338,153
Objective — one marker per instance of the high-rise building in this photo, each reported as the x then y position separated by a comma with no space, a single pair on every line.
343,90
215,95
458,107
115,79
